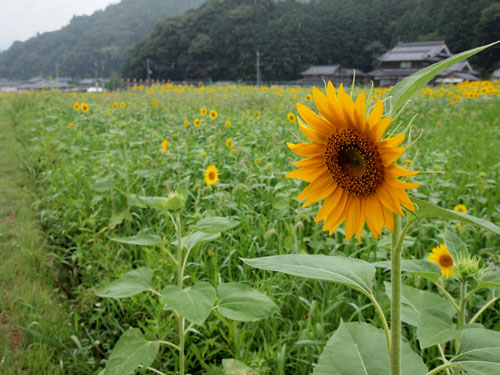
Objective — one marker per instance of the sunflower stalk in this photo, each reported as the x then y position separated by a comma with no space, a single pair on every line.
395,345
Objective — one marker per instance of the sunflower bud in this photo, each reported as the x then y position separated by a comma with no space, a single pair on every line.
175,201
468,266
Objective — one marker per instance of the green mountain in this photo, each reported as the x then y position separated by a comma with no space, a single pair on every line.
90,45
220,39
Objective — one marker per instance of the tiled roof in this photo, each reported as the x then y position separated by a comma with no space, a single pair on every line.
320,70
416,51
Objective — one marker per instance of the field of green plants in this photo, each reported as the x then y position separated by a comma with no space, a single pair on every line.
92,156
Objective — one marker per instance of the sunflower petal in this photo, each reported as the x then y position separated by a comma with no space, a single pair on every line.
310,133
306,149
312,119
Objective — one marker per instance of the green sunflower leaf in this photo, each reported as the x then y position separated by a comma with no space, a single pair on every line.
243,303
196,238
414,301
131,350
352,272
194,303
359,349
479,351
489,279
215,224
419,267
405,89
455,245
435,327
130,284
426,210
141,240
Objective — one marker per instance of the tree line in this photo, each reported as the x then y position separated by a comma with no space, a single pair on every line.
219,40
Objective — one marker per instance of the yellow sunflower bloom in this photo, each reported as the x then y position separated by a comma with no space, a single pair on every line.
442,257
203,111
84,107
291,117
213,114
186,123
211,175
197,122
71,125
349,166
308,97
76,106
164,145
115,105
228,124
123,104
460,208
229,143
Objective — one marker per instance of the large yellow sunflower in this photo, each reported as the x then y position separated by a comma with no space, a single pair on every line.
211,175
349,165
442,257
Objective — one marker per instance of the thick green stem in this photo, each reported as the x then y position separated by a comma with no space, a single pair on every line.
180,276
395,352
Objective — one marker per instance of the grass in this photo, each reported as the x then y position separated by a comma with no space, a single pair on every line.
84,175
31,309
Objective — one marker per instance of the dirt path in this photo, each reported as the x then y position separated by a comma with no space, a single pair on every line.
31,312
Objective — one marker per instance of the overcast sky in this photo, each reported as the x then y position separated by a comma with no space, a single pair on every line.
22,19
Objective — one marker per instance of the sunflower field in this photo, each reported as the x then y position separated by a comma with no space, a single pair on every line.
214,158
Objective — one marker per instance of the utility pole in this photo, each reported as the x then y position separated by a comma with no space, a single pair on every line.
148,70
57,73
259,78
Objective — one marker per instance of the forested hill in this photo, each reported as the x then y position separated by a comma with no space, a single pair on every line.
219,40
99,41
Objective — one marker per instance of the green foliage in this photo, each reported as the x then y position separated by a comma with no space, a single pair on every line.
357,349
243,303
219,40
435,327
131,350
194,303
355,273
132,283
479,351
90,45
215,224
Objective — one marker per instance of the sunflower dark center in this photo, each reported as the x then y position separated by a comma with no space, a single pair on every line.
445,260
354,162
211,175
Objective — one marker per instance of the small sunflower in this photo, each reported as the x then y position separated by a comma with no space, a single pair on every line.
349,165
229,143
460,208
84,107
203,111
291,117
197,122
309,97
211,175
164,145
71,125
442,257
154,101
228,124
213,114
123,104
115,105
76,106
186,123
